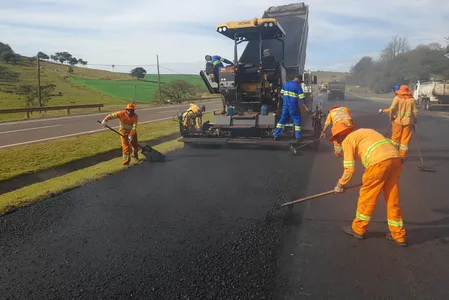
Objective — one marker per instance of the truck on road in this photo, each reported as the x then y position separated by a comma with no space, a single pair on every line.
336,90
431,94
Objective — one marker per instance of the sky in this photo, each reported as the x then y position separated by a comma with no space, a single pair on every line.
106,32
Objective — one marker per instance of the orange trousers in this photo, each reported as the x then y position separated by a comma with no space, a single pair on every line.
400,135
126,147
383,176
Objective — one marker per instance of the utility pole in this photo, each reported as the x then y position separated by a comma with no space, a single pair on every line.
38,81
159,78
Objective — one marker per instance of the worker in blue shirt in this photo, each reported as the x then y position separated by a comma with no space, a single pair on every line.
292,92
217,62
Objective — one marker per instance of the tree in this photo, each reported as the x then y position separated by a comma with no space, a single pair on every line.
176,90
73,61
70,70
4,48
31,96
396,46
7,56
138,72
54,58
42,55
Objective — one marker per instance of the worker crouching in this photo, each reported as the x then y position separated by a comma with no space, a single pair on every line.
128,127
192,117
337,114
383,168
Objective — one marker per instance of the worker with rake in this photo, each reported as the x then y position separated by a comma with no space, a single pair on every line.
383,168
337,114
404,116
128,126
192,117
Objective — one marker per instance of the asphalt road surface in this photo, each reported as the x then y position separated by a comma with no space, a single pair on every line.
34,131
196,227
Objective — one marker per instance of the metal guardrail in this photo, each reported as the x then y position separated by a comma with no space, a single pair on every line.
173,101
41,109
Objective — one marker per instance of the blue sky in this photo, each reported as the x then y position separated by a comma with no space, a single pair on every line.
110,32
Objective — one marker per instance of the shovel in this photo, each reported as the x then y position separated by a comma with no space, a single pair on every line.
149,153
422,167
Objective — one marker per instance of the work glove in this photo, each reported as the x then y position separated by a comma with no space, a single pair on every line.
130,138
339,189
381,111
103,123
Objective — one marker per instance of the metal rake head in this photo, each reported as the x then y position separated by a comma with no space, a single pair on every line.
152,155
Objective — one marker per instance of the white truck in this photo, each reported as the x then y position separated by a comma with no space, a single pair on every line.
431,94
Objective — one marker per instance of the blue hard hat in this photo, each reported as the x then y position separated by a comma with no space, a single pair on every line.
396,87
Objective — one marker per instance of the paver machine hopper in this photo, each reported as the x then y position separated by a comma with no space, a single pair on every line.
250,87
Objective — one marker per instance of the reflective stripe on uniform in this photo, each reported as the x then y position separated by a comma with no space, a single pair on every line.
134,126
297,128
348,163
290,94
415,110
395,223
126,127
363,217
216,62
112,116
301,96
372,148
338,148
403,147
280,126
126,157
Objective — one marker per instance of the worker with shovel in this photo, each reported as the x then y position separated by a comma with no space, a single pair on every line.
128,126
337,114
404,116
383,168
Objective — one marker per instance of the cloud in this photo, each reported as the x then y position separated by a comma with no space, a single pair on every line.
182,32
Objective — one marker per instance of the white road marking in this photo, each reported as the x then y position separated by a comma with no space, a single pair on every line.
27,129
73,134
90,115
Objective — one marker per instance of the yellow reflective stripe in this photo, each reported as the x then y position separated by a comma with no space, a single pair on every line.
338,148
394,223
372,148
327,123
112,116
348,163
134,126
392,106
282,91
290,94
297,128
403,147
407,113
363,217
216,62
415,110
301,96
127,127
280,126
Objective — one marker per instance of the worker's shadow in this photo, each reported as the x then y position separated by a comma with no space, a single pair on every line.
428,231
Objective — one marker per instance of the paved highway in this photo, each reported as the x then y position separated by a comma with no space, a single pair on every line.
195,227
33,131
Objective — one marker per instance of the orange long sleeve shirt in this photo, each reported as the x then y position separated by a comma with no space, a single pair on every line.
369,147
127,123
404,111
337,115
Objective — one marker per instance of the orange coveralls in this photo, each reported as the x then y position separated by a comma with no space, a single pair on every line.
128,127
404,114
383,168
191,118
337,115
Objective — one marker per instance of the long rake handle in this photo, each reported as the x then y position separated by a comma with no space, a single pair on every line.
119,133
318,195
419,150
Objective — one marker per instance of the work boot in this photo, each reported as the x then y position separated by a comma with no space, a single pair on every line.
348,230
126,163
390,238
135,155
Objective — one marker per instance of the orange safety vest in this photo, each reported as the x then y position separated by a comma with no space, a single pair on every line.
338,115
128,124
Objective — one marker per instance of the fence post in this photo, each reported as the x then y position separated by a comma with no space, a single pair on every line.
68,111
28,115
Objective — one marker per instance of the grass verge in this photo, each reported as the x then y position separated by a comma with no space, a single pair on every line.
52,187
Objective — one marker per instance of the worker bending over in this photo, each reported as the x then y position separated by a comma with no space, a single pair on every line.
192,117
404,116
383,168
128,127
337,114
292,93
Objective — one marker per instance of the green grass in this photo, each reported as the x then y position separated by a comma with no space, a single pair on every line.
41,156
43,190
141,90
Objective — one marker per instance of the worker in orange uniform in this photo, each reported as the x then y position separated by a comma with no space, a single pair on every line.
337,114
404,116
192,116
383,168
128,126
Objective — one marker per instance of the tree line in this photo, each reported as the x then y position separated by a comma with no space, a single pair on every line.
398,63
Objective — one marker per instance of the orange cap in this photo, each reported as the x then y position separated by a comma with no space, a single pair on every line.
130,106
333,107
340,129
403,91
